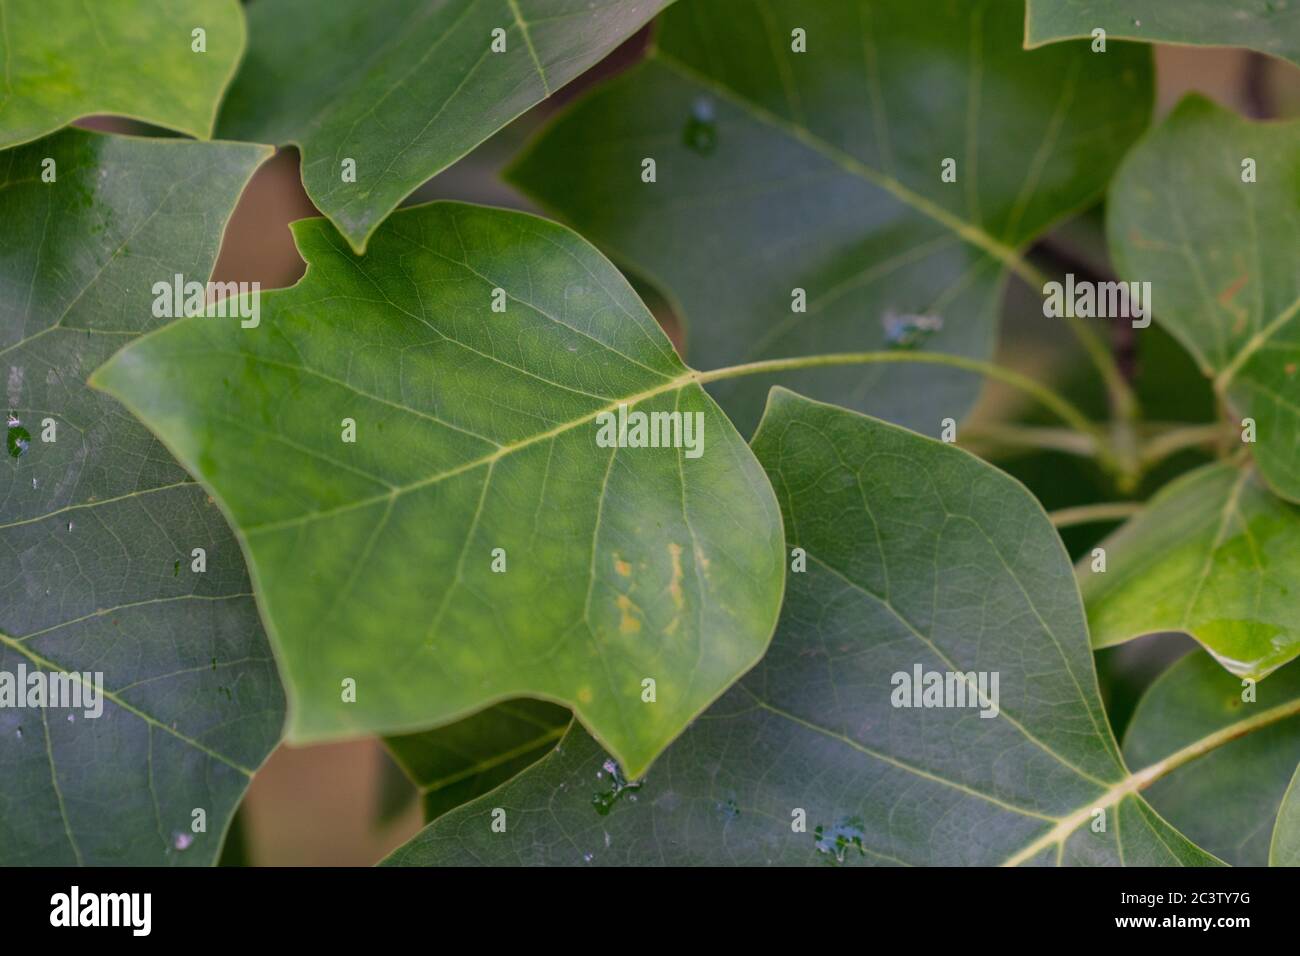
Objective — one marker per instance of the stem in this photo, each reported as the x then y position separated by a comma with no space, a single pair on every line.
1030,436
1225,735
1067,412
1087,514
1123,400
1178,438
1136,782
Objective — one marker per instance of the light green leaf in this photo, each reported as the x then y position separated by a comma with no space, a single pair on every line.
918,555
1285,849
98,525
404,88
1214,554
61,60
475,431
821,171
1219,253
1269,26
1227,799
454,764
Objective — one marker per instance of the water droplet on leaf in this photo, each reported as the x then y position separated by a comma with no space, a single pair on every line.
18,439
909,331
604,801
701,132
841,839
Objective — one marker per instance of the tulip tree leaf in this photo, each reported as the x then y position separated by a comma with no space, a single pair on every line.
454,764
1227,799
98,525
821,171
1269,26
917,555
404,88
1214,554
1218,252
476,445
1285,849
61,60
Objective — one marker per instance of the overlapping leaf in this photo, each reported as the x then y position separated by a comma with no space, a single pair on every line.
64,59
1285,849
476,447
1269,26
1228,799
821,171
454,764
1215,554
918,554
1206,209
98,525
404,88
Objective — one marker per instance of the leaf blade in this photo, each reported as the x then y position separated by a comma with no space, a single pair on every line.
454,764
673,561
400,121
1225,799
98,522
813,729
1268,28
1214,554
1285,847
131,60
822,172
1230,297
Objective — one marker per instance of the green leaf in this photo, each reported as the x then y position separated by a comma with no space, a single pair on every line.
394,792
1214,554
821,171
475,431
1285,849
99,524
1227,799
918,554
1219,254
65,59
1269,26
454,764
404,88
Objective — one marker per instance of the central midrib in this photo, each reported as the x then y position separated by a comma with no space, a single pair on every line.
681,381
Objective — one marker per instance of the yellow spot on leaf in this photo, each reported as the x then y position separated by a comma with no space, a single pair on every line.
675,585
627,624
622,567
1230,293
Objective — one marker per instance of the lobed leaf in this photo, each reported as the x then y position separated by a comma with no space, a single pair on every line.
62,60
476,444
98,525
918,554
404,88
821,171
